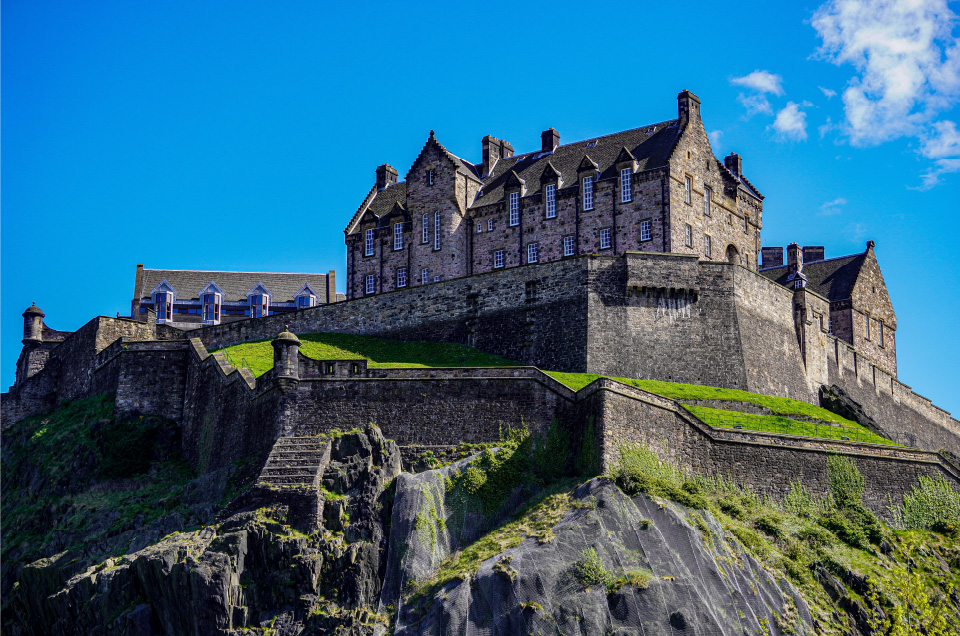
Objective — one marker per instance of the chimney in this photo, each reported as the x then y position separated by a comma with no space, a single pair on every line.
771,257
813,253
688,107
493,150
549,140
332,286
794,259
386,176
734,163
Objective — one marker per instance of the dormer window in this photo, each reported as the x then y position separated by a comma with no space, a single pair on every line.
259,301
164,295
588,193
306,297
550,198
368,242
398,236
626,185
211,298
514,208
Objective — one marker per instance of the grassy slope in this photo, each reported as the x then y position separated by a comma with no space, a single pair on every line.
827,425
258,355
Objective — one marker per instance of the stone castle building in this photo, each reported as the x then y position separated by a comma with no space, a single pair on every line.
657,188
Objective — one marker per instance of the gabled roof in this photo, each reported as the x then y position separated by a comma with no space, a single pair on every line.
306,290
259,288
463,166
380,204
211,288
651,146
832,278
163,286
625,156
235,285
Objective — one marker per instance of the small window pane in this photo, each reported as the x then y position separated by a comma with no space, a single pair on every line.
568,246
532,253
605,239
645,230
498,258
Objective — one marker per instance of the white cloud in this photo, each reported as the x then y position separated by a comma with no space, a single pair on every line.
942,141
941,167
826,127
833,207
791,123
715,137
907,61
829,94
761,81
755,104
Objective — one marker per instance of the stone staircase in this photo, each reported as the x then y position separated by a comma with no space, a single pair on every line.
295,462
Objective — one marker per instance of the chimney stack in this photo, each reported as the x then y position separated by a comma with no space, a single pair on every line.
688,107
771,257
493,150
734,163
386,176
813,253
794,259
549,140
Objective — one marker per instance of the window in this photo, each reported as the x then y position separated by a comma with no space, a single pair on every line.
370,283
866,322
645,227
163,303
514,208
479,226
211,307
532,253
588,193
259,305
436,230
568,246
306,300
707,246
398,236
626,185
425,231
880,332
498,258
430,176
368,242
605,239
489,225
686,190
551,200
424,276
402,277
688,235
830,325
707,195
436,279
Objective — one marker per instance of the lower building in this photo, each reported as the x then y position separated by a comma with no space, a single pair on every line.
191,298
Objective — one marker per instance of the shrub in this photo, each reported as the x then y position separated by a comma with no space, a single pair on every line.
846,482
589,570
816,537
851,534
932,504
641,471
633,578
770,525
802,503
586,464
752,541
730,506
552,452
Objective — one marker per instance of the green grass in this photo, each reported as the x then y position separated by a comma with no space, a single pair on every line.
379,352
783,409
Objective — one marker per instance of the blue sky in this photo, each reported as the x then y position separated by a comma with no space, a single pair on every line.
233,135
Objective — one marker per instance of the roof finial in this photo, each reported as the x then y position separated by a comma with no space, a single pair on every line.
431,133
286,326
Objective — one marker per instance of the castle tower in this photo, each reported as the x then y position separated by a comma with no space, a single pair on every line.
33,324
286,349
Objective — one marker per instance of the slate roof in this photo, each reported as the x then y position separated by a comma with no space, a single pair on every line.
650,145
235,285
382,203
832,278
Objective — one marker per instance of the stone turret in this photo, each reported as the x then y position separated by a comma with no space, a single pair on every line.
33,324
286,363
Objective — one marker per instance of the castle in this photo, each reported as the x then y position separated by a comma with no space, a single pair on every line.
633,255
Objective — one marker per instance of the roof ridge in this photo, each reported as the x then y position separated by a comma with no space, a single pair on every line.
231,271
805,263
619,132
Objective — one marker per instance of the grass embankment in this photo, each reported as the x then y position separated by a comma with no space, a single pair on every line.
790,417
379,352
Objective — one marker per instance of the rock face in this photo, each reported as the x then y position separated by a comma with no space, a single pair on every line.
611,565
250,570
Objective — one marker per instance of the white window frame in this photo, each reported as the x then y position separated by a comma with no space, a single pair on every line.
707,246
311,301
588,193
569,246
498,259
489,225
707,194
259,308
626,185
430,176
424,276
401,277
425,230
370,285
436,279
533,253
514,198
605,238
368,242
214,316
646,230
687,189
397,236
166,300
688,235
550,198
479,227
436,230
